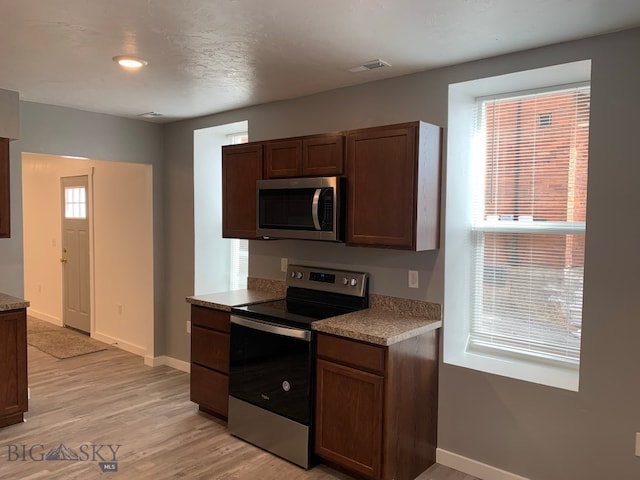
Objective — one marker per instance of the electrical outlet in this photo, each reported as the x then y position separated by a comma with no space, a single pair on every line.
188,326
413,279
284,262
637,444
119,309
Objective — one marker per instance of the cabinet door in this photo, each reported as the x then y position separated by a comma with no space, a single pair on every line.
210,390
13,364
283,159
349,418
5,206
381,171
241,168
323,156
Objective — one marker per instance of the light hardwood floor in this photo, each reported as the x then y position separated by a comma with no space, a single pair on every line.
111,398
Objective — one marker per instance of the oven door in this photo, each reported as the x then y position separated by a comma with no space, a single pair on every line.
271,366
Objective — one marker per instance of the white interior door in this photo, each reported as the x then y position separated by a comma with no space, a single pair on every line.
75,253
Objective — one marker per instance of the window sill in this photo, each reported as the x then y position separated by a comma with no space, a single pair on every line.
564,377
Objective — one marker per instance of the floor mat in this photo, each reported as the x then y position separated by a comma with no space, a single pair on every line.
58,341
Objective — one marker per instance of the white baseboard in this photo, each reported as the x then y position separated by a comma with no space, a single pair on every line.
169,362
116,342
44,316
473,467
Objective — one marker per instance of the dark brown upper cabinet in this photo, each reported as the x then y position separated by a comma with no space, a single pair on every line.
241,167
283,158
313,156
393,190
5,194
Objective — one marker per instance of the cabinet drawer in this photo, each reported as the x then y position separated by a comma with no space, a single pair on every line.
351,352
210,390
210,318
210,348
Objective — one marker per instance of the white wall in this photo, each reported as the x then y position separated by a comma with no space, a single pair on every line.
122,240
212,253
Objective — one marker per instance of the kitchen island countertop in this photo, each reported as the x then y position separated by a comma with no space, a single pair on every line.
8,302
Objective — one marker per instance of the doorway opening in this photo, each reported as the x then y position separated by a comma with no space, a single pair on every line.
119,210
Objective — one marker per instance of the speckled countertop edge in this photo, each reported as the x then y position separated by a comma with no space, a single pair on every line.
258,290
388,320
8,302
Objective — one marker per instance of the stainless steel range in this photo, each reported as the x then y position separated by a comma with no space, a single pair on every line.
272,359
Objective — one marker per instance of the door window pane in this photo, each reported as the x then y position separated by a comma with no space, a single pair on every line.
75,202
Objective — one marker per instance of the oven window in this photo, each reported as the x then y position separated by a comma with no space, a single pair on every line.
272,371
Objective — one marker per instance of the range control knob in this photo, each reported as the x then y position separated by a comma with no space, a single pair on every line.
354,282
299,275
345,281
293,274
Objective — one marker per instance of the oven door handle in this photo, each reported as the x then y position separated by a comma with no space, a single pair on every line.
271,328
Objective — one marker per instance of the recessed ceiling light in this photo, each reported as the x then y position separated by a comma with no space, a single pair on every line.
127,61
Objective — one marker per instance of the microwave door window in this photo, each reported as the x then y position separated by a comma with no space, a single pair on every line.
287,209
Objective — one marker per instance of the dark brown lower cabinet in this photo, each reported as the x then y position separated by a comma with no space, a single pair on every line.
13,366
210,360
376,406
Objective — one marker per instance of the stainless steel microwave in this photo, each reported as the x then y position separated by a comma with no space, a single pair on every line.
301,208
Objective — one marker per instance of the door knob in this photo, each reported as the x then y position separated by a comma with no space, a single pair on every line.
63,260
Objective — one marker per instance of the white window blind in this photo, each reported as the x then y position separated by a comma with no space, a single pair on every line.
239,263
528,226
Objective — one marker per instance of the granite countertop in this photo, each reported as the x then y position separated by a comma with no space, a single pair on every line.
7,302
258,290
388,320
232,298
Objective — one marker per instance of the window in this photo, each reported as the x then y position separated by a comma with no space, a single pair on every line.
515,223
544,119
75,202
529,223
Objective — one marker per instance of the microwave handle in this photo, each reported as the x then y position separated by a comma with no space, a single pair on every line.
315,208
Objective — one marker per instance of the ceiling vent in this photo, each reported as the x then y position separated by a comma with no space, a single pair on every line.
372,65
150,115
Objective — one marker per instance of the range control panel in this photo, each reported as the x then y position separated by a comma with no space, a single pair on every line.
328,280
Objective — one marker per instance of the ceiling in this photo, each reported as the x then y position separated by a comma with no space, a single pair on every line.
208,56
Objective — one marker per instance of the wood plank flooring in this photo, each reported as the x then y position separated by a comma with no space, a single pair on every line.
110,398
